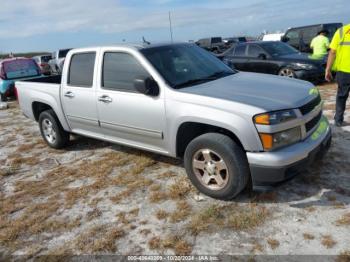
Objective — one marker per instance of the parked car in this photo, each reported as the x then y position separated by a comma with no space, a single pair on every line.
43,63
212,44
275,58
57,61
300,37
272,37
179,100
13,69
233,40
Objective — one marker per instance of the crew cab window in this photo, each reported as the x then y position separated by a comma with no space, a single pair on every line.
240,50
293,37
120,70
255,51
81,69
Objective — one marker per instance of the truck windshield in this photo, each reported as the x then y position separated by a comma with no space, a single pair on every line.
184,65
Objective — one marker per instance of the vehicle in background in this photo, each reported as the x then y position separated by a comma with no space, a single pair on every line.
275,58
234,40
232,129
13,69
212,44
57,61
301,37
272,37
43,63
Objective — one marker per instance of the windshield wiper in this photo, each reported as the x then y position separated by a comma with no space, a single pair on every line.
211,77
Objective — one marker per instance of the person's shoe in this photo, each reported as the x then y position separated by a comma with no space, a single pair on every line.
339,124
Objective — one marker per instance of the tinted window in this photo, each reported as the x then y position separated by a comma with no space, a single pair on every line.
293,37
255,51
215,40
331,28
278,48
310,33
46,58
63,53
81,70
240,50
120,71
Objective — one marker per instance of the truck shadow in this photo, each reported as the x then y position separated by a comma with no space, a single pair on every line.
325,183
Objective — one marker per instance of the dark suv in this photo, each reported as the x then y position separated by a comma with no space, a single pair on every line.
300,37
212,44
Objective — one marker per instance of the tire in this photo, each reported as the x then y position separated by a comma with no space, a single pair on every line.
287,72
204,168
3,98
52,131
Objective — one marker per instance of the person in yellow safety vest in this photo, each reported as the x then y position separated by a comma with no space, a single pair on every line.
320,45
339,61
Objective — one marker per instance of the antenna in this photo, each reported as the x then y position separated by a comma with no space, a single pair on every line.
170,27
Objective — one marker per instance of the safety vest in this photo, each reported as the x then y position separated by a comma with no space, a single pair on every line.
341,43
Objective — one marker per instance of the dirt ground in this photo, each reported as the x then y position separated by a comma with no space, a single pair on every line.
99,198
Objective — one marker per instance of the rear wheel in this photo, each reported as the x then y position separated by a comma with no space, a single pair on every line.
287,72
52,131
217,166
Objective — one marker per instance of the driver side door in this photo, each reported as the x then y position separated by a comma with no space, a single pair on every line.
125,115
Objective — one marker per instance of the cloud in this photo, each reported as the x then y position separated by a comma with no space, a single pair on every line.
25,18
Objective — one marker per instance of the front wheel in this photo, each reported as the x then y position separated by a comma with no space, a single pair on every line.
287,72
52,131
217,166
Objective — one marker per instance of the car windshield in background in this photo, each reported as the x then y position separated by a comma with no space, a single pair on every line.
20,68
46,58
63,53
185,65
278,48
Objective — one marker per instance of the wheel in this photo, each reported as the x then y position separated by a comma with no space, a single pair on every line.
217,166
288,72
3,98
52,131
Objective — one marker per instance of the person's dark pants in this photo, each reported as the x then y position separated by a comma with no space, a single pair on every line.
343,80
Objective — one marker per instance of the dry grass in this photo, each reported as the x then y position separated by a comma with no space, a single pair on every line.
157,196
344,256
228,217
273,243
167,174
175,242
179,189
328,241
183,210
161,214
308,236
257,247
344,220
93,214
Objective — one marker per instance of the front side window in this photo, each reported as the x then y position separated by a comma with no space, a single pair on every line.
120,70
81,69
255,51
240,50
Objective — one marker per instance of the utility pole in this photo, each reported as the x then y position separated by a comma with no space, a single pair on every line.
171,28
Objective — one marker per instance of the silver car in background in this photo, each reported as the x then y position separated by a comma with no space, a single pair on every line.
57,61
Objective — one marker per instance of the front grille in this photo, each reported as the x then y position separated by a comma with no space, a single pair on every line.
313,122
307,108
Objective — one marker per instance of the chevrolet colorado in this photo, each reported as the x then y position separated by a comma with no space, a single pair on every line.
231,128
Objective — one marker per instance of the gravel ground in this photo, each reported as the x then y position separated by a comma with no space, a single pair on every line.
98,198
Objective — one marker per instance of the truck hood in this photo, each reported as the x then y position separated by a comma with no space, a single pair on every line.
259,90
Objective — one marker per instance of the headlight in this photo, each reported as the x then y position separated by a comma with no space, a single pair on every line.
280,139
304,66
274,118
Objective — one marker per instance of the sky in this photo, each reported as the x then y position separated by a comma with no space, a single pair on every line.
47,25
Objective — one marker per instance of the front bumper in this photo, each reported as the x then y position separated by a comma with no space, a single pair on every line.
270,168
314,76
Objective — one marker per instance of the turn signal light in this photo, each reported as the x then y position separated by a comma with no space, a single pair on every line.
263,119
267,141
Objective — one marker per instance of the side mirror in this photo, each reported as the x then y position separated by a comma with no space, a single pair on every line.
262,56
147,86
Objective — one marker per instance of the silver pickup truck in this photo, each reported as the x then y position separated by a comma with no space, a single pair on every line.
232,129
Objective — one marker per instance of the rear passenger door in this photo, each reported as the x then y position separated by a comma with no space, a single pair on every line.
257,63
239,58
125,115
78,93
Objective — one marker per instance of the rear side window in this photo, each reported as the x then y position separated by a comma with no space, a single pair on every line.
255,51
240,50
120,71
81,69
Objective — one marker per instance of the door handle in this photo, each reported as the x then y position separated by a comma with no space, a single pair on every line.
69,94
105,99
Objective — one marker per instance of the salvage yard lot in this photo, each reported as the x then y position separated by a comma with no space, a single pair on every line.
97,198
